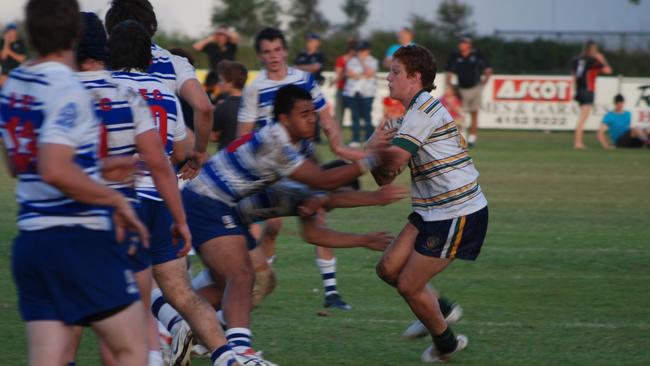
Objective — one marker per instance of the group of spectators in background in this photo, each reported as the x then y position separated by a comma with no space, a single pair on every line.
468,71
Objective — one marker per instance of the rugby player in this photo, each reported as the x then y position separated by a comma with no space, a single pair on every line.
129,46
50,134
449,218
247,166
175,71
257,111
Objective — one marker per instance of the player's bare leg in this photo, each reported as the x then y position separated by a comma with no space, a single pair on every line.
227,257
124,334
264,282
473,128
48,342
269,236
396,255
412,285
174,282
578,140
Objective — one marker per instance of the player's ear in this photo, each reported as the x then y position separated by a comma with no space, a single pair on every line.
283,119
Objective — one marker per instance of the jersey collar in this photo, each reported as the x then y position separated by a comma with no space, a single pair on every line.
415,98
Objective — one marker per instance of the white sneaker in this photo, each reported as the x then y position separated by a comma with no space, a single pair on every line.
182,345
252,358
200,350
432,355
418,330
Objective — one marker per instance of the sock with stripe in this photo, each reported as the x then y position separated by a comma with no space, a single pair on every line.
72,364
239,339
164,312
445,342
327,269
221,355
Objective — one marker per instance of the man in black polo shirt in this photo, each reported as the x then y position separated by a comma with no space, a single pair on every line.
221,45
472,72
312,61
12,51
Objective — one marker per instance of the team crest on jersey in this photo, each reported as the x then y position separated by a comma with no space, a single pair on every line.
67,116
228,222
432,242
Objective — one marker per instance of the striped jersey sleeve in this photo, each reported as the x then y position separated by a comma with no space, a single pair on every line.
412,133
258,97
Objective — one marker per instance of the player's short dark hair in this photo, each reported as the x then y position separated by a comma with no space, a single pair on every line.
618,98
286,98
233,72
211,79
416,58
130,46
355,184
52,25
138,10
93,43
269,34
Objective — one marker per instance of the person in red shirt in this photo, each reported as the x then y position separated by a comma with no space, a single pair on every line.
339,68
585,68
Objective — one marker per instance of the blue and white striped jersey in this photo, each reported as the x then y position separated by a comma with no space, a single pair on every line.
167,115
259,95
46,104
172,70
124,114
248,165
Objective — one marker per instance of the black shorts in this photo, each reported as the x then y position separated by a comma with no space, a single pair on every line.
461,237
627,140
584,97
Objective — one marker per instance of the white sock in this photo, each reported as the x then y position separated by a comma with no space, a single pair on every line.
221,318
156,358
471,139
239,339
327,268
164,312
202,279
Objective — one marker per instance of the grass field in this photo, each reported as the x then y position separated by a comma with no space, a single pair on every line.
563,278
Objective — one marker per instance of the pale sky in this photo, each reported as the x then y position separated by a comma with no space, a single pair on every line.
192,17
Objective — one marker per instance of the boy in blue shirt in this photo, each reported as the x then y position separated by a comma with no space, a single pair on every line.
617,123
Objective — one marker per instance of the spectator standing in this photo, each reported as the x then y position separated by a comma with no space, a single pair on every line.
360,89
232,78
617,123
219,46
12,51
339,68
312,61
472,72
585,68
404,38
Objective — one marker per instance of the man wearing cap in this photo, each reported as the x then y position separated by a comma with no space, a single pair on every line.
12,51
472,72
220,45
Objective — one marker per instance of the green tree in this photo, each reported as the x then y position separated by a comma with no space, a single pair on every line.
247,16
356,12
453,18
305,18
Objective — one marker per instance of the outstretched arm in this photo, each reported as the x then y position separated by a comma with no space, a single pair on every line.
320,235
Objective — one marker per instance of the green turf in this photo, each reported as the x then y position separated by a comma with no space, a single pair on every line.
563,278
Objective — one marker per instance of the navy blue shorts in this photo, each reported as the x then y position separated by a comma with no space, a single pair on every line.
157,218
70,274
461,237
209,219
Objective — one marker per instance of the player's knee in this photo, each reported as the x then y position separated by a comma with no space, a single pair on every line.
243,275
386,274
406,288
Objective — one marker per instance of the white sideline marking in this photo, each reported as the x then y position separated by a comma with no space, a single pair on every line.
564,249
519,324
